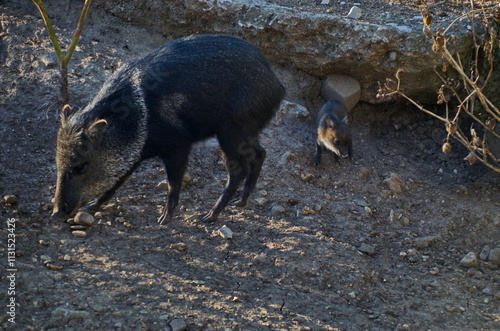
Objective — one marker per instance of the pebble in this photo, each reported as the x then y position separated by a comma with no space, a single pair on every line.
127,224
354,13
225,232
53,266
307,211
367,249
364,173
394,183
12,199
83,218
494,256
469,260
179,246
261,201
424,242
162,186
68,314
178,324
277,209
485,252
79,233
307,177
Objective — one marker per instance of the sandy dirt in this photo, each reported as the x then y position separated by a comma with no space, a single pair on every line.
375,244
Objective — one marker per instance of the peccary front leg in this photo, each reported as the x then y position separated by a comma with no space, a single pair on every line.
96,204
317,156
175,165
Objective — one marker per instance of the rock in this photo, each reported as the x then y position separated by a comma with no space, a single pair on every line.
294,109
494,256
261,201
343,88
394,183
261,258
12,199
79,233
83,218
307,177
354,13
485,252
178,324
469,260
277,209
162,186
424,242
68,314
310,43
367,249
307,211
179,246
225,232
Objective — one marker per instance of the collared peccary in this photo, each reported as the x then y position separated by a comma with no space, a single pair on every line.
158,106
333,132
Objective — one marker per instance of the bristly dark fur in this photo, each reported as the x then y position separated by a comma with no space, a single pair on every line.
158,106
333,133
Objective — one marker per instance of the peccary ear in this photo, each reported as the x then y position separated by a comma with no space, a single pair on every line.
96,129
330,123
345,120
66,112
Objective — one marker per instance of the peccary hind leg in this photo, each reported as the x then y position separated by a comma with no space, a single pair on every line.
255,161
237,167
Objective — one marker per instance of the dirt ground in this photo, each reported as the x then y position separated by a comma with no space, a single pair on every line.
375,244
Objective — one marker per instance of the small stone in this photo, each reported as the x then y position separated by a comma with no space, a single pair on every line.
79,233
434,271
12,199
307,177
325,2
127,224
394,183
53,267
186,179
261,258
179,246
364,173
494,256
83,218
354,13
67,257
261,201
367,249
307,211
225,232
99,215
68,314
120,219
178,325
424,242
45,258
469,260
277,209
164,317
162,186
288,157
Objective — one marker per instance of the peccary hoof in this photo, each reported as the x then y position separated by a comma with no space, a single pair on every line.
209,218
59,216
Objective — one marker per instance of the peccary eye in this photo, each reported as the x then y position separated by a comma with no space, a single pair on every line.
80,169
336,142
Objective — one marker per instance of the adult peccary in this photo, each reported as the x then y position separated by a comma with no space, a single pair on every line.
181,93
333,132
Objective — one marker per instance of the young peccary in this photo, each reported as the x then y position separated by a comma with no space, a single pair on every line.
158,106
333,132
